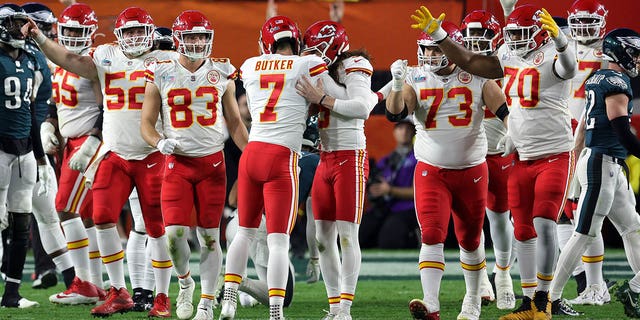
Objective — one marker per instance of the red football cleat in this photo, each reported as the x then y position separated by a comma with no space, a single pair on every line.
419,310
161,307
118,300
79,292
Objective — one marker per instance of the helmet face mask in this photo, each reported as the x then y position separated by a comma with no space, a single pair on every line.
429,54
12,19
587,20
521,40
76,27
479,40
134,31
482,32
193,35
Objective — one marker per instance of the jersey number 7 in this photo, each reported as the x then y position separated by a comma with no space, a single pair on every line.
269,114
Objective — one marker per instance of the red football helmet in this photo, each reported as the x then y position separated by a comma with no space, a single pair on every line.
193,34
276,29
134,42
438,61
587,20
482,32
76,27
328,38
523,32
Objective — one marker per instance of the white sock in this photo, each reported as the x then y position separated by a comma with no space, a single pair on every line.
473,262
351,261
431,266
546,251
631,242
502,237
569,258
179,248
592,260
95,263
78,244
237,256
278,244
527,263
53,240
136,258
161,263
564,233
634,283
327,237
112,255
210,260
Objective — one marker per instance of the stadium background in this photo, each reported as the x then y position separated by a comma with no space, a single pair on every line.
379,26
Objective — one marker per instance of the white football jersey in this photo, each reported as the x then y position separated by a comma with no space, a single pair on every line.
339,132
76,103
278,112
589,60
448,118
123,81
192,103
539,119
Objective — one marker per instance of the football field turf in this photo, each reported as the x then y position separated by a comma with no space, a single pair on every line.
389,281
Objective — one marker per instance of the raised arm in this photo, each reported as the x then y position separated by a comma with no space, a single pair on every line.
231,112
481,65
78,64
402,100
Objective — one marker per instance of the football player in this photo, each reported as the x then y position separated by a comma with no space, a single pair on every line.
20,146
268,169
125,159
482,34
586,21
451,177
80,290
604,139
536,63
190,93
338,189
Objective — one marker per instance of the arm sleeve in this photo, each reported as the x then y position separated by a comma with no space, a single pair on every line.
565,66
360,102
628,140
98,124
36,142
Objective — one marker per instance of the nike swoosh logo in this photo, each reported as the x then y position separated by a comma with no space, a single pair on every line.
343,162
357,60
215,165
151,165
475,180
552,160
505,167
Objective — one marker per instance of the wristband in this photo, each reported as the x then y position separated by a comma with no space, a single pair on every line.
40,38
502,111
322,99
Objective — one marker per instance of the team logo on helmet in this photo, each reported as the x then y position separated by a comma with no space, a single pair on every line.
597,53
630,41
148,61
538,58
464,77
327,31
213,76
617,82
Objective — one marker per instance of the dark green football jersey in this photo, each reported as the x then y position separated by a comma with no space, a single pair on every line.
45,88
599,134
15,95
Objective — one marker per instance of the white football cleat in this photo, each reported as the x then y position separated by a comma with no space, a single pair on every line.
184,302
505,298
595,295
486,291
229,304
342,316
470,308
204,313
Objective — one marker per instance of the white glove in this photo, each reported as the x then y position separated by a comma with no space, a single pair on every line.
48,137
399,73
507,145
507,6
80,160
43,179
166,146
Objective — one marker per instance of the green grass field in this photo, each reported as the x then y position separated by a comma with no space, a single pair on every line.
389,281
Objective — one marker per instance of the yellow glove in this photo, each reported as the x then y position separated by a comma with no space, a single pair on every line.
427,23
554,31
